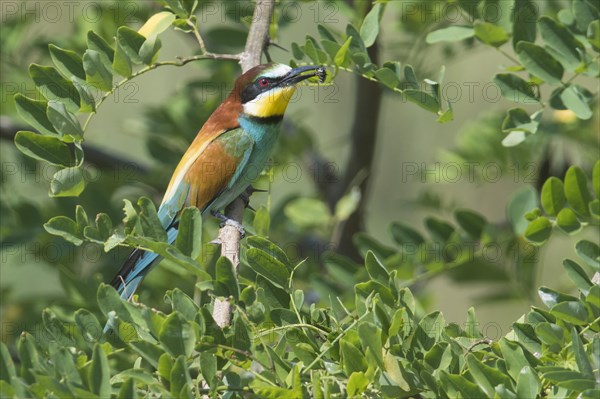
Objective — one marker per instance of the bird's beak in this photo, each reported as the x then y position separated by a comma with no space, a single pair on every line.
299,74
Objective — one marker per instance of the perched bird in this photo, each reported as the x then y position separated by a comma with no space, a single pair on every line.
230,149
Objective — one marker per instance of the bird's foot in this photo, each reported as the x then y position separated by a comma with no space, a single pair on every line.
245,196
237,225
225,221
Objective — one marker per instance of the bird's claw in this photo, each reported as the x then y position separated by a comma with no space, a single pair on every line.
237,225
225,221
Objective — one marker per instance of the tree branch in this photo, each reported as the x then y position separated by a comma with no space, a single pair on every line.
229,236
363,138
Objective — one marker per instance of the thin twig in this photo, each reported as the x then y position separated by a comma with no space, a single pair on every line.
178,63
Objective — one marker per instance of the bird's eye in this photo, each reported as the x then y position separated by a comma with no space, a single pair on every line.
264,82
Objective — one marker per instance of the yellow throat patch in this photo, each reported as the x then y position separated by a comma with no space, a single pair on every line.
270,103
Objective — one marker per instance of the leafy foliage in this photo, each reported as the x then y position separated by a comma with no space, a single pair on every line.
279,344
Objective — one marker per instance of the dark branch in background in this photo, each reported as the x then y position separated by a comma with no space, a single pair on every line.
229,236
363,138
93,155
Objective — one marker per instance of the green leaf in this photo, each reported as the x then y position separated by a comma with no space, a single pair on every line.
370,25
262,221
342,57
589,252
100,45
311,50
522,202
514,138
325,33
34,113
422,99
208,367
307,212
182,304
387,77
459,383
515,89
553,196
550,297
189,238
67,62
177,336
472,222
122,63
593,35
96,72
538,230
584,13
561,42
297,51
490,34
180,377
7,369
518,119
89,326
583,363
540,63
370,339
64,121
241,338
410,77
43,148
67,182
528,383
226,279
524,22
149,50
406,235
131,42
576,190
352,359
367,288
64,227
578,276
87,103
450,34
570,379
439,229
269,267
157,24
151,224
486,377
567,221
376,269
447,115
573,312
128,390
514,357
357,384
99,373
54,87
550,334
267,246
576,101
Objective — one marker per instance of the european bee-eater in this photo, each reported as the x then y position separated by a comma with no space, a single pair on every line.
230,149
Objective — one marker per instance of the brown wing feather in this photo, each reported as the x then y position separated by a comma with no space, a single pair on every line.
210,174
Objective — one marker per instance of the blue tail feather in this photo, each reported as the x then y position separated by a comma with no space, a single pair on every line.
136,267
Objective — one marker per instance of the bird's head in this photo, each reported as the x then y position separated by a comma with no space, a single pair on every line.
265,90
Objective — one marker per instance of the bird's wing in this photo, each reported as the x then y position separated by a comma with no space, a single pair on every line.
205,171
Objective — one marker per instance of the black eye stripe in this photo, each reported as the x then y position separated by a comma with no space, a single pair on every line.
255,88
